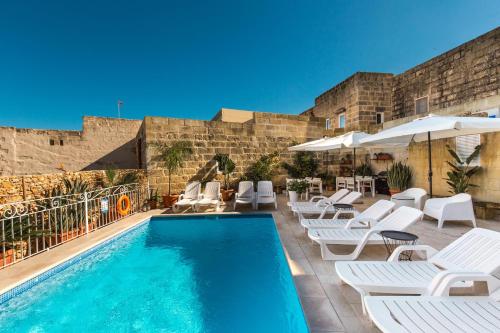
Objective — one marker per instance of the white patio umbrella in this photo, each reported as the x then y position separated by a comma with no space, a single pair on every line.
429,128
348,140
305,144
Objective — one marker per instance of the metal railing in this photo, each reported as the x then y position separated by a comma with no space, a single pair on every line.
33,226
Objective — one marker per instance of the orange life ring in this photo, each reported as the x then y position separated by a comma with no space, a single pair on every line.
120,208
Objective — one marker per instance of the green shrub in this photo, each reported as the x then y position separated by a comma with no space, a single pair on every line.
399,176
461,172
304,164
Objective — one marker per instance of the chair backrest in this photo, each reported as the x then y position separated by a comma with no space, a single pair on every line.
478,250
417,193
340,180
400,219
461,197
335,197
378,210
245,189
350,198
212,191
350,181
192,190
265,188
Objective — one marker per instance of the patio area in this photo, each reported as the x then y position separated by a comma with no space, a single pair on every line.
329,305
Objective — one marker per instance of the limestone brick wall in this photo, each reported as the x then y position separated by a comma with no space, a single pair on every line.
467,73
360,97
101,143
244,142
26,187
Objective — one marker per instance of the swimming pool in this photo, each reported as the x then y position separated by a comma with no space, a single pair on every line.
218,273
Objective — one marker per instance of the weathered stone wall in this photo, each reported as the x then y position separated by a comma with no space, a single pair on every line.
244,142
360,97
103,142
467,73
27,187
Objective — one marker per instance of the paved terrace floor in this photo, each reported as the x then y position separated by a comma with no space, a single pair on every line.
329,306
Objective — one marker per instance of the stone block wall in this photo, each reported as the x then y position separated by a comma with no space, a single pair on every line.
464,74
27,187
244,142
102,142
360,97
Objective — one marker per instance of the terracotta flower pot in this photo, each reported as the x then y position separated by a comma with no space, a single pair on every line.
170,200
153,204
393,191
8,258
227,194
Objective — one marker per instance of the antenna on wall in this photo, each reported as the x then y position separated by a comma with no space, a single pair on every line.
119,104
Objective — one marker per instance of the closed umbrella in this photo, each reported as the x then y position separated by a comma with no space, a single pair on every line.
429,128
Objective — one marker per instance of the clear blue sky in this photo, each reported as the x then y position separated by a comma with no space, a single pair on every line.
60,60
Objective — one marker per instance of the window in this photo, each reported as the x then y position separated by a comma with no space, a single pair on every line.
61,142
380,117
465,146
341,120
52,142
422,105
328,124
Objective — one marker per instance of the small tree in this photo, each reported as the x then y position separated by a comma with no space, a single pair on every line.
173,156
304,164
265,167
461,171
226,165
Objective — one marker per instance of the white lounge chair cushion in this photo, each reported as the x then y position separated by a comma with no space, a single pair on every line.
342,236
327,223
186,202
434,314
388,277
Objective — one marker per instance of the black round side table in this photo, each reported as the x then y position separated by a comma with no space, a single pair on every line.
343,206
393,239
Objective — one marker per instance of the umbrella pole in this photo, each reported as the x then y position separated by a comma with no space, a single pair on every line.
429,157
354,166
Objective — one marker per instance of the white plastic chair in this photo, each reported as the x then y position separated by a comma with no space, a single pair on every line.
456,208
189,197
350,183
398,220
265,194
365,219
476,251
340,183
210,197
418,194
245,194
316,186
440,312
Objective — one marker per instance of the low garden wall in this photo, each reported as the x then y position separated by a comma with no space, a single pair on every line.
18,188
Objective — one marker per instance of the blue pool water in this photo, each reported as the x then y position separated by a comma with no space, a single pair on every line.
182,274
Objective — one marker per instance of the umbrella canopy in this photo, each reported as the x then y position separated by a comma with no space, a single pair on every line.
440,127
348,140
432,127
302,146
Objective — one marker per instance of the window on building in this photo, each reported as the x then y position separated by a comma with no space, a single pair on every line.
341,120
422,105
52,142
328,124
61,142
380,117
465,145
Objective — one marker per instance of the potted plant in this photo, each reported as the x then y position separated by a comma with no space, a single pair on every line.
265,168
173,156
398,177
153,199
461,171
297,187
226,166
304,164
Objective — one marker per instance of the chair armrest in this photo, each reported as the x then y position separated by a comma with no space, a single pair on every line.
369,222
317,197
181,196
445,280
429,250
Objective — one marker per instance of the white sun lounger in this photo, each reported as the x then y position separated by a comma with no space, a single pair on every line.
245,194
265,194
210,197
365,219
439,313
398,220
329,208
189,197
320,200
476,251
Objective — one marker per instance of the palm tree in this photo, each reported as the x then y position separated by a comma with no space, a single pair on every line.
173,156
